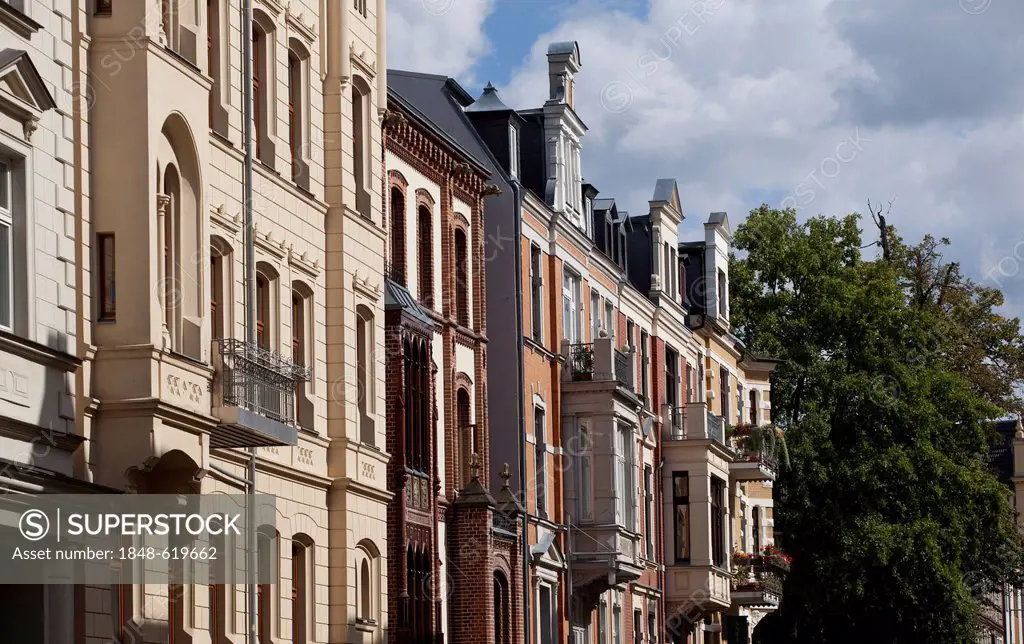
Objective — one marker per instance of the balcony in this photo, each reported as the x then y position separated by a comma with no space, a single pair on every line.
757,453
758,579
254,396
603,556
599,366
693,591
693,422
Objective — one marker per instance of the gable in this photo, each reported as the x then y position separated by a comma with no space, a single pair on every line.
23,93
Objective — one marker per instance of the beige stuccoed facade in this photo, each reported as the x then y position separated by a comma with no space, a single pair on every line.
163,283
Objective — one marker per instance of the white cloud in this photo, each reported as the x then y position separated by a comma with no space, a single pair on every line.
736,98
437,36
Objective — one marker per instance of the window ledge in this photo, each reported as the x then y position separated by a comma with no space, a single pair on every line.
18,21
366,625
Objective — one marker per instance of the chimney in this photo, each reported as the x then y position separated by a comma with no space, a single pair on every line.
563,63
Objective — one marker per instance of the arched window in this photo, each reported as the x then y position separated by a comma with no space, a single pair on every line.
398,234
302,350
467,433
262,86
266,604
425,255
365,373
364,590
501,604
172,256
266,306
221,298
361,144
298,112
461,278
302,588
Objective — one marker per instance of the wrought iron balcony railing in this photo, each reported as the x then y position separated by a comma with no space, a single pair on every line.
624,369
258,380
581,361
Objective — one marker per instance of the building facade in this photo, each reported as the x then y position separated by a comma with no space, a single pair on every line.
180,399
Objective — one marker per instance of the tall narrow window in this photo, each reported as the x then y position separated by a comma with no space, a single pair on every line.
638,626
425,261
723,294
217,294
169,17
461,278
218,593
681,516
513,151
723,376
689,384
501,602
259,89
361,144
595,315
365,589
625,479
398,233
536,293
754,416
545,612
265,592
6,248
365,378
602,621
671,378
586,473
540,454
296,113
652,624
213,53
262,311
616,622
609,319
755,527
739,403
467,433
107,275
718,535
300,593
649,511
645,361
571,307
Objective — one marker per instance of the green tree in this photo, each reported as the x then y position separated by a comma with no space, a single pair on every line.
894,521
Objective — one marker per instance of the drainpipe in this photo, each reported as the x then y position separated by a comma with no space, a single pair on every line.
250,298
517,192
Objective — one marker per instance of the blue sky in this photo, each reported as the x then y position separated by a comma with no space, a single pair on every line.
922,100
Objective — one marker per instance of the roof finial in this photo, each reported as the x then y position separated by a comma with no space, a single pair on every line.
505,474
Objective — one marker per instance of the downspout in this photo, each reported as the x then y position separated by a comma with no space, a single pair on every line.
250,300
517,223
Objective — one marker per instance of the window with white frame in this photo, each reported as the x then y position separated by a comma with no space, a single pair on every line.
572,309
609,318
626,499
595,315
513,151
617,620
6,247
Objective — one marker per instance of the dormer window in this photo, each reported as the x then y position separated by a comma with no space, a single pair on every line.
513,151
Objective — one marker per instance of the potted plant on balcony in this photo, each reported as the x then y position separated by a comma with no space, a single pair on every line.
769,440
774,556
743,573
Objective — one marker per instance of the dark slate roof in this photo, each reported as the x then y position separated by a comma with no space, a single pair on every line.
719,218
489,101
397,296
564,47
1000,455
603,204
433,97
663,190
475,495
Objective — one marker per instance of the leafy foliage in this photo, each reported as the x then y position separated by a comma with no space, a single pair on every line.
892,373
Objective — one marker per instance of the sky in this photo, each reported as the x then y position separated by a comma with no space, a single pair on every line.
816,104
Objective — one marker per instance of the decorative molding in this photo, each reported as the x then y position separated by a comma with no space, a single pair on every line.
299,261
274,6
363,285
364,61
296,22
230,223
267,243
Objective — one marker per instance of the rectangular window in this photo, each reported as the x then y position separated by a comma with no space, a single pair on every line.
649,511
107,276
609,318
718,522
739,403
602,622
652,624
754,419
689,384
681,515
624,480
723,294
537,293
671,378
630,330
546,621
513,151
595,315
723,376
6,248
540,452
644,363
616,623
572,307
217,305
638,626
